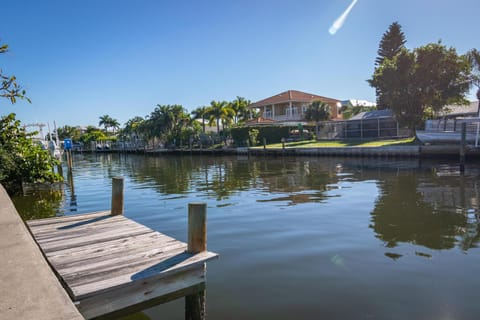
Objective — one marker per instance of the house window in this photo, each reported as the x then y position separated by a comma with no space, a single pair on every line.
293,111
267,113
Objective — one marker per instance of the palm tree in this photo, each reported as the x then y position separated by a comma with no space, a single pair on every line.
132,125
108,122
217,111
133,128
114,124
105,121
239,108
317,111
167,122
201,113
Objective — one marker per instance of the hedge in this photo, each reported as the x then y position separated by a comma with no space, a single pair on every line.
273,134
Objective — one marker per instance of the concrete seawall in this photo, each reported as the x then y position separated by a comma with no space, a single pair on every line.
30,289
406,151
415,151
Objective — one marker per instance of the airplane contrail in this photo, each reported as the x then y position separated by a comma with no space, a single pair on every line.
337,24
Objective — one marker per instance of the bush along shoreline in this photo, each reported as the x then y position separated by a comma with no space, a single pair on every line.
21,159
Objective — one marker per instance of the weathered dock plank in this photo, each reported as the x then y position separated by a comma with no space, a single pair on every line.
109,263
78,217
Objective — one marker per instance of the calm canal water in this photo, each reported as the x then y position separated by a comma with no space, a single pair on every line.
304,238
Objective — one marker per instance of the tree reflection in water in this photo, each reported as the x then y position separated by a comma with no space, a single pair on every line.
427,210
435,208
39,204
419,203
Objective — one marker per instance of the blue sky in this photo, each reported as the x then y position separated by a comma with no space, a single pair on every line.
79,60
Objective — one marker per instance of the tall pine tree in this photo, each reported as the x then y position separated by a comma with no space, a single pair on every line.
393,40
474,58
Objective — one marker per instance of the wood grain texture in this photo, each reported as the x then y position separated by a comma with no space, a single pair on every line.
197,227
110,262
117,195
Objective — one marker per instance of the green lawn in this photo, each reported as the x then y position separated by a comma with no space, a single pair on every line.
343,143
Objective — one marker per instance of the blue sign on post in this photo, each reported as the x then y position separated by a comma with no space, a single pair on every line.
67,144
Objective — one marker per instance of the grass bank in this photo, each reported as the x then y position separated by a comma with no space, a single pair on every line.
344,143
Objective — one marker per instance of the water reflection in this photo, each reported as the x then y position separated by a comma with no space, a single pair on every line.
420,203
326,227
424,210
194,305
39,204
220,178
73,196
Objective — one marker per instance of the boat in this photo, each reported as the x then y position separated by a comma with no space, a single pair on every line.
435,136
448,137
50,146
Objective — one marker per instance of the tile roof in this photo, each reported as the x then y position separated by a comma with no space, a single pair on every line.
293,96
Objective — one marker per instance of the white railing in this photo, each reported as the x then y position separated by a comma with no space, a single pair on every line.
294,117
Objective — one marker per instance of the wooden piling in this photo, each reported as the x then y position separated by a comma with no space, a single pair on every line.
195,304
197,227
462,147
69,159
117,196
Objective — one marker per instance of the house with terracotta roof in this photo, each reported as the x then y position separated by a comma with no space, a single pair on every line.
290,106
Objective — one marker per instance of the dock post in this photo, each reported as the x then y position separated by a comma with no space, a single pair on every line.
117,196
197,227
195,304
462,147
68,154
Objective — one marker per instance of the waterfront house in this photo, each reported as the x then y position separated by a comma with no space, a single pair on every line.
288,107
456,111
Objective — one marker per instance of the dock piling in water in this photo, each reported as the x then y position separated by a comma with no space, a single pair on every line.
463,144
197,227
195,304
117,196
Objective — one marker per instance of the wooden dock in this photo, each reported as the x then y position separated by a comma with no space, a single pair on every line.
109,263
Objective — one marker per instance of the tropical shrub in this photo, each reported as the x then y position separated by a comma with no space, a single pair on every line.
252,136
273,134
22,160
